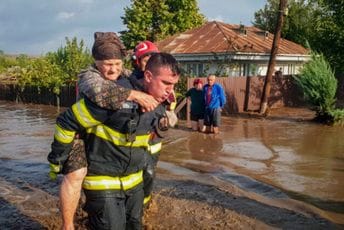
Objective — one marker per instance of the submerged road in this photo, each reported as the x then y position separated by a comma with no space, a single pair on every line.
280,161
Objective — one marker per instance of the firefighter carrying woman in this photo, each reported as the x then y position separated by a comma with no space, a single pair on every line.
120,139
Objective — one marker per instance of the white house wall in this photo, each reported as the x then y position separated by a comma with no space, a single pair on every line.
238,69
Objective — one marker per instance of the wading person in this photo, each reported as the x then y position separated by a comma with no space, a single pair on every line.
196,96
117,142
215,100
97,83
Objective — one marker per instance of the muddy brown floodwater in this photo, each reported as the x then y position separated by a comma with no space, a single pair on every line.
284,172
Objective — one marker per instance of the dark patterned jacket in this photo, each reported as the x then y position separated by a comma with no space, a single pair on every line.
105,93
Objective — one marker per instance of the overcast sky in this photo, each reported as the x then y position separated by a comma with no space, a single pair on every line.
36,27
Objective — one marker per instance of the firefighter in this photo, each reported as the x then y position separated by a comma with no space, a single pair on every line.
142,53
116,147
97,83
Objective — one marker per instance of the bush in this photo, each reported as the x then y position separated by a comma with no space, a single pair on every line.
52,71
71,58
319,86
42,74
337,116
6,62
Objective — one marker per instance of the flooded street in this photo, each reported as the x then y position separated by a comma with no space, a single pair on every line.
273,158
281,162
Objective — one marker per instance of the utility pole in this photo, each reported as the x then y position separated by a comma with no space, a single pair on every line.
272,61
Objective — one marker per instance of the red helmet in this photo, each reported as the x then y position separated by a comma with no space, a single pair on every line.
144,48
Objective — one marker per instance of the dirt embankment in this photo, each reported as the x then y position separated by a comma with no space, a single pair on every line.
178,203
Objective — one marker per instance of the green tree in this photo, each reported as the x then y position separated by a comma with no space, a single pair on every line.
42,73
71,58
299,24
53,70
151,19
6,62
319,86
23,60
330,34
318,22
266,18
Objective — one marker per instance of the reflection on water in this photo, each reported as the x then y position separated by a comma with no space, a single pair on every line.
303,159
274,158
26,131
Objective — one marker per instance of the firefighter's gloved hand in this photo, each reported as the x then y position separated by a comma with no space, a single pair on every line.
172,118
54,170
162,127
168,120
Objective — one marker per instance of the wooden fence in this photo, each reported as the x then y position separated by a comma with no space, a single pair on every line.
243,93
31,94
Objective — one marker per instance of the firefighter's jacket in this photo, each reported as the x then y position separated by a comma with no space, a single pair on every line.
116,142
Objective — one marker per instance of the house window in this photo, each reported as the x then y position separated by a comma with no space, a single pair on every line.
200,69
291,69
191,69
262,70
194,69
253,70
234,70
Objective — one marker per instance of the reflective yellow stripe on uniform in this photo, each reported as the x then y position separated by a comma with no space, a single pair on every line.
108,182
172,106
155,148
63,135
83,115
54,168
146,199
118,138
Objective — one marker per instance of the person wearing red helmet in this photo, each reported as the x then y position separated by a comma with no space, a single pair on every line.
98,84
117,147
142,53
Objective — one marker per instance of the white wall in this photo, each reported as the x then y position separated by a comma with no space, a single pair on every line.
233,70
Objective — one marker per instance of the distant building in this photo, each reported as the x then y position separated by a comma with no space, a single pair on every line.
232,50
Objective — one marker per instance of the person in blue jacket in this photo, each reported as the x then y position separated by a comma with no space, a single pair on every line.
215,100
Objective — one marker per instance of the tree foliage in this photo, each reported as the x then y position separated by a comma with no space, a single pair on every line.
266,18
43,74
71,58
298,25
156,19
51,71
319,86
330,33
6,62
317,22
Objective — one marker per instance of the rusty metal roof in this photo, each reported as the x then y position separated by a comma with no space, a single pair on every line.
218,37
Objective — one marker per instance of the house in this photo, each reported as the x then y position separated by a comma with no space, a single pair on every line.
232,50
